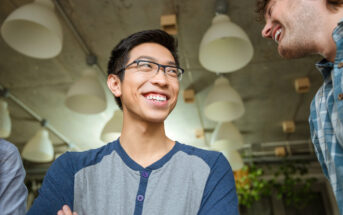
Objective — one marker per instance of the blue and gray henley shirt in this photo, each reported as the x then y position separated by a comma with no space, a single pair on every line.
186,181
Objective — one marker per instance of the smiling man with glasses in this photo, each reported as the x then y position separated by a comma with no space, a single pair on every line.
142,172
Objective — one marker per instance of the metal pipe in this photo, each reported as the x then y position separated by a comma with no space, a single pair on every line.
72,27
77,35
284,143
265,153
38,118
221,7
278,143
279,159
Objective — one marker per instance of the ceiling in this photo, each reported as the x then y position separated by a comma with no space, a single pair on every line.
265,84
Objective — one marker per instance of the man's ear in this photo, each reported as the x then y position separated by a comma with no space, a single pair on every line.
114,84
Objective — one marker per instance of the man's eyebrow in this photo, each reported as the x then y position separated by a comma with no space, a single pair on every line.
154,59
172,63
146,57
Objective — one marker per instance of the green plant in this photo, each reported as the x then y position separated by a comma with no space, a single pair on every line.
293,188
288,182
251,187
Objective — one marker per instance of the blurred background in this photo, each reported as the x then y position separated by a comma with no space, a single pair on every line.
237,95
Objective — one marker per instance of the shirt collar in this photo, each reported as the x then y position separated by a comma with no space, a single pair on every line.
337,33
324,66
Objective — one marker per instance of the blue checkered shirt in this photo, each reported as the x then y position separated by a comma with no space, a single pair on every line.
326,118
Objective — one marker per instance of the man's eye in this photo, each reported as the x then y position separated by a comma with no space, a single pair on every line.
172,71
145,65
270,11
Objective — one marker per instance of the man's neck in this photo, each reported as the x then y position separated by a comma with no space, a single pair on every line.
145,142
327,46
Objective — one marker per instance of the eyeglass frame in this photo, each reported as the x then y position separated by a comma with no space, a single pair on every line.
158,67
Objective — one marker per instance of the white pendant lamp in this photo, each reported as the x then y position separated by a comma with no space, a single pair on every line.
225,46
112,129
232,155
234,159
227,135
39,148
34,30
223,103
87,95
5,120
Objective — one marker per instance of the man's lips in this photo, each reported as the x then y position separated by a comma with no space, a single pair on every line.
276,34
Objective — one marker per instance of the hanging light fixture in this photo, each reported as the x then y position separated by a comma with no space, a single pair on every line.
86,96
232,155
5,120
34,30
228,135
112,129
234,159
39,148
227,139
225,46
223,103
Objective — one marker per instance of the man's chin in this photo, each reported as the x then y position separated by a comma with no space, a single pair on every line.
156,120
290,53
155,117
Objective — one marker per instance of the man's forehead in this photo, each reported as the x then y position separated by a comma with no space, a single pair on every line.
153,52
269,3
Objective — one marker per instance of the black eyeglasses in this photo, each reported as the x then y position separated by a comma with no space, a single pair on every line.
151,68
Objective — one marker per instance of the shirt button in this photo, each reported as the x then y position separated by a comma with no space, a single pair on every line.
340,65
140,198
145,174
340,96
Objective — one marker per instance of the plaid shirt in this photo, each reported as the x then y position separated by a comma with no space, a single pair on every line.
326,118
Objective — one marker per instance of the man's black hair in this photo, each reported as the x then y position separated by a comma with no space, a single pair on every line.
120,54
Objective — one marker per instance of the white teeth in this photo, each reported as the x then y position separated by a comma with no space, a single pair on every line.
277,35
155,97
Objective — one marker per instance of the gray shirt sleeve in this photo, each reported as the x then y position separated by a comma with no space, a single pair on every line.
13,192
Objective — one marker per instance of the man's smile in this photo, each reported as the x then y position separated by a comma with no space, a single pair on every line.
157,98
276,34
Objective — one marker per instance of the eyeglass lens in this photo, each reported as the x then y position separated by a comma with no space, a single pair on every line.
152,67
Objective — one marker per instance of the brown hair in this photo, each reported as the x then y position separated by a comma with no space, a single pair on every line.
262,4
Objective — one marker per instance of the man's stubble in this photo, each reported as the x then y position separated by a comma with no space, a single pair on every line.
301,26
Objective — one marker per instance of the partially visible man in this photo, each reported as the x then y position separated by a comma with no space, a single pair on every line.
13,192
305,27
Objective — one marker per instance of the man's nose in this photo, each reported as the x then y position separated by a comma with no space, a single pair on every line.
160,77
267,30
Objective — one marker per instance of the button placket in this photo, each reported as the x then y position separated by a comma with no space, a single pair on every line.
145,174
340,96
144,177
140,198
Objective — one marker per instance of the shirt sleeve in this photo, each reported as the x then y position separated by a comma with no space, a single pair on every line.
13,192
220,196
57,188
